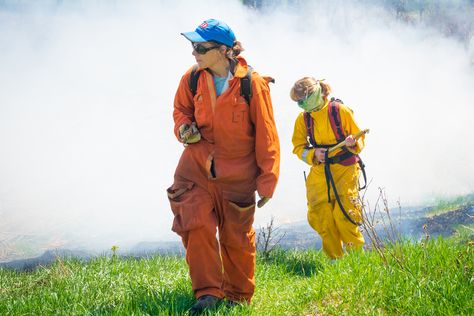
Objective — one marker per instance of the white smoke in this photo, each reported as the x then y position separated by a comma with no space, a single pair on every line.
86,92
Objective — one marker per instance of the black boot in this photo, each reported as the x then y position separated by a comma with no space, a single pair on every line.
232,304
203,303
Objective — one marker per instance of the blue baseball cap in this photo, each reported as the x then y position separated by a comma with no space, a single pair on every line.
212,30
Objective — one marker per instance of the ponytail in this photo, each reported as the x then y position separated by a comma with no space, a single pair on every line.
325,88
235,50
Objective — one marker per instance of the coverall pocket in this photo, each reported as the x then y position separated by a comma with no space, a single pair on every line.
239,120
178,189
180,195
240,209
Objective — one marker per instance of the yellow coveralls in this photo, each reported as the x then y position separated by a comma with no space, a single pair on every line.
323,216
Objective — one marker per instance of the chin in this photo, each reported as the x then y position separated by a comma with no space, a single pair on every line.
201,64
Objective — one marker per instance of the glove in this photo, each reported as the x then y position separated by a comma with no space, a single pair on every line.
263,200
189,134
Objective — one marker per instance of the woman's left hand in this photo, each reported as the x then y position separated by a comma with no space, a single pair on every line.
350,141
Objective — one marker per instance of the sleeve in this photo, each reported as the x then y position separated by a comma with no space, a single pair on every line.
267,144
300,141
183,112
351,128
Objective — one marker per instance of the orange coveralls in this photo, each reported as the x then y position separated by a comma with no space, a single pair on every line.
216,178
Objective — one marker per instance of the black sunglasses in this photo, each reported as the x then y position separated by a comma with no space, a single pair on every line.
201,49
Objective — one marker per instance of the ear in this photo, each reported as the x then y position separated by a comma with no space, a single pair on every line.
223,49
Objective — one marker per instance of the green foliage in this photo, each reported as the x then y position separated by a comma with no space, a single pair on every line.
430,278
446,205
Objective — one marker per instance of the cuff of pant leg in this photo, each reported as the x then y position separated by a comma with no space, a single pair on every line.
210,291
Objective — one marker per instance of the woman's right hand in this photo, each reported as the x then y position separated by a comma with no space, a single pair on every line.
189,134
319,155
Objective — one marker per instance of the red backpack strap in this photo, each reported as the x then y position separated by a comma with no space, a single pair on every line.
309,123
335,120
336,125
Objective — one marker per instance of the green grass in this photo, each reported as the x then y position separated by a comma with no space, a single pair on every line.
436,278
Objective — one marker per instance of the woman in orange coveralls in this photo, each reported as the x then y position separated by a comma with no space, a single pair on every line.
231,151
325,215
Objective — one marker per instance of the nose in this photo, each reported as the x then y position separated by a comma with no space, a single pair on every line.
194,53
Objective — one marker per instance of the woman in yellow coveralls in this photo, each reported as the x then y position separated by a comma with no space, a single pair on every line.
337,227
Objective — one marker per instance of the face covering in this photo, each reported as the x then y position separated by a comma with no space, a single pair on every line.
313,102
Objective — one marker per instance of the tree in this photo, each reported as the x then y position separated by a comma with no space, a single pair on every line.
268,238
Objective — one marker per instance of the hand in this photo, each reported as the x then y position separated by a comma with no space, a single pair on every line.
319,155
184,132
263,200
189,134
350,141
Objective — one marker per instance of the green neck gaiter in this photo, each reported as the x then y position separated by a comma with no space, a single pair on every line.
314,102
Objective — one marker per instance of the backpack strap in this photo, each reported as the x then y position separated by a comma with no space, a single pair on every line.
335,119
246,85
336,126
331,183
362,168
344,158
309,123
193,79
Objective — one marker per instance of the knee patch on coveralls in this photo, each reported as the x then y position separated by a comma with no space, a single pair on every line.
191,206
239,210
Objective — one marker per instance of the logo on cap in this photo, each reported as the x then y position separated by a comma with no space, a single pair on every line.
204,25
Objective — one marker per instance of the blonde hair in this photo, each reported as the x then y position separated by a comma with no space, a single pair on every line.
307,85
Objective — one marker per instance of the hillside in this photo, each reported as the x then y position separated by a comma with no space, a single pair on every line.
440,220
407,223
433,278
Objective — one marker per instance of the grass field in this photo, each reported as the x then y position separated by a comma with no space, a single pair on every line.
445,205
426,278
